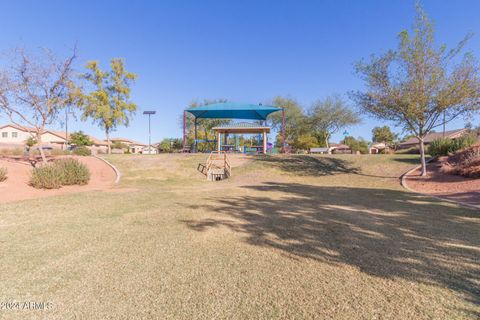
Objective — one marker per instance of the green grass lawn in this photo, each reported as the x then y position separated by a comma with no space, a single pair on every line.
285,237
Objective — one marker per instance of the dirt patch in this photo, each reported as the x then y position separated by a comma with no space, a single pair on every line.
16,186
438,183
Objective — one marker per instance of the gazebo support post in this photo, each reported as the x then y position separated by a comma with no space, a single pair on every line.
283,129
195,142
219,141
264,142
184,124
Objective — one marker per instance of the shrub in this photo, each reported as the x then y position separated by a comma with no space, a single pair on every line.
444,146
465,163
31,142
3,174
72,171
11,152
62,172
45,177
82,151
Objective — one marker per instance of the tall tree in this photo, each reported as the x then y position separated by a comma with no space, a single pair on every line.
108,103
328,116
419,86
383,134
35,89
295,119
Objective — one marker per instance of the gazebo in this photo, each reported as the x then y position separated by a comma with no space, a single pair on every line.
231,110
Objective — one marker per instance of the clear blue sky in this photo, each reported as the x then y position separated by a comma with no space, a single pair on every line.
243,51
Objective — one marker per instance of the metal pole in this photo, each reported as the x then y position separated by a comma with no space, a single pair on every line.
149,136
149,113
195,151
283,129
184,124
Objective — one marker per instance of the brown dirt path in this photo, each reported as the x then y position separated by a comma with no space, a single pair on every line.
16,186
451,187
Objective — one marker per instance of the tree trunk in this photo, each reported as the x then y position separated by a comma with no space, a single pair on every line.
326,141
40,148
109,148
422,157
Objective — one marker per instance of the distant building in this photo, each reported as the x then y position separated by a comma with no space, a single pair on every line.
13,136
452,134
339,148
377,148
132,146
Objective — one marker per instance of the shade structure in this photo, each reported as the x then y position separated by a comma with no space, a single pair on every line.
232,110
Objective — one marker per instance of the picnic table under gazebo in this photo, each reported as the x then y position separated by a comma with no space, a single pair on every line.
241,128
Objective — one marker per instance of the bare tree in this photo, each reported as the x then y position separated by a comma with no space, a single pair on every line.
420,86
34,89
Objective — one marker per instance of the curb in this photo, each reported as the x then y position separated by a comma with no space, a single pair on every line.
117,172
403,182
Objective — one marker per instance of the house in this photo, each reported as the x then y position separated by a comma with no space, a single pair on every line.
339,148
132,146
13,136
150,150
377,148
452,134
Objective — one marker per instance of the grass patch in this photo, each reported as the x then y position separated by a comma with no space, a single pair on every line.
289,237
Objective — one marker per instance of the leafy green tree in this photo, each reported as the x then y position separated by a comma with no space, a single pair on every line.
295,120
328,116
108,103
305,142
356,145
80,139
383,134
170,144
419,86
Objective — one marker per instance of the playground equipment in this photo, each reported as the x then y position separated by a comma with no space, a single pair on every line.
217,167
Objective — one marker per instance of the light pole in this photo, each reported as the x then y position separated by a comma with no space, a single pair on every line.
149,130
67,112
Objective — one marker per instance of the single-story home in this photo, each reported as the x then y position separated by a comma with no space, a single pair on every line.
452,134
13,136
339,148
133,146
377,148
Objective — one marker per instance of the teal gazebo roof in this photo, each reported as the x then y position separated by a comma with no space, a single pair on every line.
232,110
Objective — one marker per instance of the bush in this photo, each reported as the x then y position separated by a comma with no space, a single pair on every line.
465,163
62,172
46,177
72,171
82,151
445,147
3,174
11,152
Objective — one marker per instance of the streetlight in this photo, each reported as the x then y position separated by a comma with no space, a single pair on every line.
149,130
